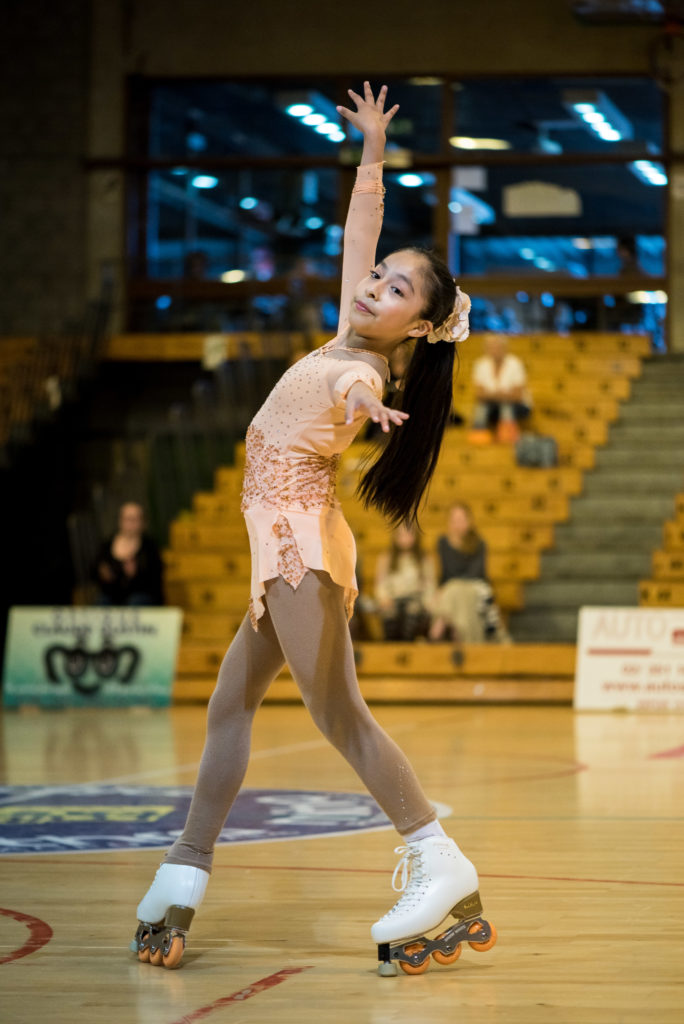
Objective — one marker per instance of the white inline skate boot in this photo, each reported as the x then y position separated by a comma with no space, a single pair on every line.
165,913
436,880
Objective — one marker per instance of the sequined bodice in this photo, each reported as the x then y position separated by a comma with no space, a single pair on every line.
273,479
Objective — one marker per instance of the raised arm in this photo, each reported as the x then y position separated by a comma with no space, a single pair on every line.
364,217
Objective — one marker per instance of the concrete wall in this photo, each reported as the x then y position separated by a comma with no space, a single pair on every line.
43,102
315,36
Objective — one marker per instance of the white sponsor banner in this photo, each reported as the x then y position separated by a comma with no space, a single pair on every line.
631,659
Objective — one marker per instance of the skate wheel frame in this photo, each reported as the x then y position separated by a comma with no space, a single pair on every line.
413,956
163,944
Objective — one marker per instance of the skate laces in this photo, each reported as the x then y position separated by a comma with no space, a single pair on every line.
408,870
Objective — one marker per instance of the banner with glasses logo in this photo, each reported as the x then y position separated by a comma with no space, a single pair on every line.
85,657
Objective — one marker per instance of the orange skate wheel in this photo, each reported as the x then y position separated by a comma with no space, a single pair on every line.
446,958
144,954
415,947
173,957
157,957
481,947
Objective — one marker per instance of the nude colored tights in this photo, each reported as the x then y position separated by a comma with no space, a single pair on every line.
306,627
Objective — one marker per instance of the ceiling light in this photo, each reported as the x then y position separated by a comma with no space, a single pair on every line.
410,180
248,203
592,109
233,276
204,181
647,298
648,172
468,142
326,128
313,119
299,109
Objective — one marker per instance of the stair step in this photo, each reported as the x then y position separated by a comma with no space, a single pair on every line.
661,369
641,480
639,508
540,625
574,593
592,536
627,458
653,390
649,434
651,411
632,565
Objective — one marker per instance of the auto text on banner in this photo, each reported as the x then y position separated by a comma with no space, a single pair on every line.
630,659
85,657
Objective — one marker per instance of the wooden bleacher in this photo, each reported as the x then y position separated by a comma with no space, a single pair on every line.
665,589
578,383
15,404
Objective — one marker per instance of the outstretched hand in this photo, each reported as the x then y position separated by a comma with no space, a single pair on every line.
361,399
370,115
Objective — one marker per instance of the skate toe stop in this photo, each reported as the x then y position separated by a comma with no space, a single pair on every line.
133,945
387,970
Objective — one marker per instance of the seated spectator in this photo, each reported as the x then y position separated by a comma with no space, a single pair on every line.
503,398
463,608
128,570
404,583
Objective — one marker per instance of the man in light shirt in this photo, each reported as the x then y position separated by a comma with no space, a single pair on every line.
502,397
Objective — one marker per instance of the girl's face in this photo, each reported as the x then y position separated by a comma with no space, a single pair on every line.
131,519
387,304
458,522
404,538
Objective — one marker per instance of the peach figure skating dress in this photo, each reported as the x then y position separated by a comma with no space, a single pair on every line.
293,444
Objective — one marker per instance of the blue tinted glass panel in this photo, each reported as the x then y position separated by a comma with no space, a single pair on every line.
204,224
560,115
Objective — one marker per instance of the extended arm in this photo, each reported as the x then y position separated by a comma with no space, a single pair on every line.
364,217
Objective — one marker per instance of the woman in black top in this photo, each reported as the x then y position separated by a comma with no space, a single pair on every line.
463,608
129,568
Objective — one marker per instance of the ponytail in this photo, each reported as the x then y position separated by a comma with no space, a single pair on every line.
397,480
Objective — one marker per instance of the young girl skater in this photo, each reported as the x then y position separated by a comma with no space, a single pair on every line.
303,584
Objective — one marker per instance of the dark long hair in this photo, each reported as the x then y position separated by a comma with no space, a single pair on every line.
396,481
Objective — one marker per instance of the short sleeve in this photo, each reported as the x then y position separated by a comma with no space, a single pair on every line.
359,372
516,373
481,373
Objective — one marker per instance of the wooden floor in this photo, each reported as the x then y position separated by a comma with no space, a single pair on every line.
575,822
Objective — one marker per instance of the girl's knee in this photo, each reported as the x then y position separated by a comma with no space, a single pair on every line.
345,726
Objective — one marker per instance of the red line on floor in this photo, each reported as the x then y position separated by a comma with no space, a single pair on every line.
589,881
675,752
381,871
364,871
40,934
624,651
245,993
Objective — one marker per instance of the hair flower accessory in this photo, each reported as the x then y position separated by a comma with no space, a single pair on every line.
456,327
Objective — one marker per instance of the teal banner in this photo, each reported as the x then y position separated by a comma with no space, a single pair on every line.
86,657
